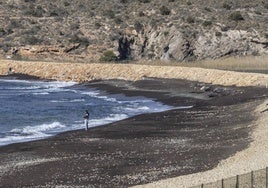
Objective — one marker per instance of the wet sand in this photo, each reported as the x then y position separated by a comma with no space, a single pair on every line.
144,148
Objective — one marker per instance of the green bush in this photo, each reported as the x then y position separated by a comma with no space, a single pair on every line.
27,1
108,56
207,9
2,32
66,3
164,10
145,1
236,16
207,23
118,20
37,11
141,14
218,34
79,39
138,26
55,12
109,14
226,6
258,12
31,40
190,19
97,25
189,3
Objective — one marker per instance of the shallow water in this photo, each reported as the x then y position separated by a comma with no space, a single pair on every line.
33,110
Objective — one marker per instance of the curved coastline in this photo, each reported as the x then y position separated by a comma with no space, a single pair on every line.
246,102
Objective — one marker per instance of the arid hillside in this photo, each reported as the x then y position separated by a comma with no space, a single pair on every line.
90,30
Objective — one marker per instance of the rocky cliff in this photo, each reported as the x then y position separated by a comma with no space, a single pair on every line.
178,30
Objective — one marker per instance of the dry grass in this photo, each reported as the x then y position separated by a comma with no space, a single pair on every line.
241,64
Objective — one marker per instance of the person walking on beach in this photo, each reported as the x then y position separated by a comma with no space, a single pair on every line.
10,71
86,118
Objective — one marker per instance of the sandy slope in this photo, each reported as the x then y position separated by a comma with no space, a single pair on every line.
85,72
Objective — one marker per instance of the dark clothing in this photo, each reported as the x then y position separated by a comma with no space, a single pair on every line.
86,117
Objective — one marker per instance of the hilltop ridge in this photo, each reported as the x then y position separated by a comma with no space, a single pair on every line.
133,30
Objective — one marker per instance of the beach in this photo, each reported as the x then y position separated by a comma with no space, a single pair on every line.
219,136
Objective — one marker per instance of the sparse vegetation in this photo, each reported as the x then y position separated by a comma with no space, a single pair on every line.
218,34
79,39
109,13
207,23
96,25
145,1
164,10
2,32
108,56
141,14
189,3
138,26
190,19
207,9
31,40
226,5
37,11
236,16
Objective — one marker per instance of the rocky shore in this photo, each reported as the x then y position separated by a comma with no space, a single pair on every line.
144,148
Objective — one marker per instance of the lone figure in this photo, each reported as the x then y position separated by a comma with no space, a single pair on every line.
86,117
10,71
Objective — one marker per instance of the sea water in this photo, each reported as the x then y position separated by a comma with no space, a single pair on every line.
31,110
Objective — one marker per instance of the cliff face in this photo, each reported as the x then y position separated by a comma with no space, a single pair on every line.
139,29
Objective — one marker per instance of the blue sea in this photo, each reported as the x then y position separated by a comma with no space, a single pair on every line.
32,110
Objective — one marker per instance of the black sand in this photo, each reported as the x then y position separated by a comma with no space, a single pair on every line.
143,148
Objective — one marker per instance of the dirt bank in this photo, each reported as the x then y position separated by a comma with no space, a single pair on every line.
86,72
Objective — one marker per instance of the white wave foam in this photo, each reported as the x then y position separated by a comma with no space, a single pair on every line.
109,119
59,84
29,133
39,87
183,107
14,81
67,101
40,93
96,94
39,128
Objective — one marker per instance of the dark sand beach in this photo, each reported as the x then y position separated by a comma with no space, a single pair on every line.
144,148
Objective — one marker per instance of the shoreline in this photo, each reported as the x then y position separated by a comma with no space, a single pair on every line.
140,150
252,158
25,77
